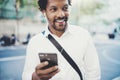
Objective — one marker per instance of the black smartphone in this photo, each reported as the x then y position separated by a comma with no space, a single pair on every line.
50,57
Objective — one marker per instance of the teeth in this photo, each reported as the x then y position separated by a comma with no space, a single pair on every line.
60,20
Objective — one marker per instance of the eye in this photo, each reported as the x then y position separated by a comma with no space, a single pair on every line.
65,8
53,9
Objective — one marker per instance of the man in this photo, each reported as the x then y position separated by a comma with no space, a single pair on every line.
75,40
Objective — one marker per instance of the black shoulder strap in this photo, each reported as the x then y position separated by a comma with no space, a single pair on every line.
66,56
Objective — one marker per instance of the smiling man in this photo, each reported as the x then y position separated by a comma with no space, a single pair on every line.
76,41
57,14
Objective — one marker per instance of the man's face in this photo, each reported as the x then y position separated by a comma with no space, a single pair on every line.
57,14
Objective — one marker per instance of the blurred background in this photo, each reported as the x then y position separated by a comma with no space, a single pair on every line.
21,19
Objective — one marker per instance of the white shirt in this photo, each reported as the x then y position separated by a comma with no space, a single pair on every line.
78,44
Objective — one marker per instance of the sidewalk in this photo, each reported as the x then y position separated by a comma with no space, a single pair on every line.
20,28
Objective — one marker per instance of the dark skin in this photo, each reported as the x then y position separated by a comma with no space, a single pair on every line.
57,14
45,74
57,10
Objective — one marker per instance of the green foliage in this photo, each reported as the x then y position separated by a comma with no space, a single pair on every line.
24,3
21,3
90,9
1,1
30,2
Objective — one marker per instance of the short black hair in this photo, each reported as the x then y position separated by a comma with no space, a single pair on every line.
42,4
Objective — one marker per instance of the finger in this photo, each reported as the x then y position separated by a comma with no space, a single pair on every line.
50,75
47,71
41,65
54,72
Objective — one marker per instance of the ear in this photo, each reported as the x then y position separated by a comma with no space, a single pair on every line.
43,12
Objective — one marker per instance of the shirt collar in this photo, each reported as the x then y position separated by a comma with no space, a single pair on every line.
46,32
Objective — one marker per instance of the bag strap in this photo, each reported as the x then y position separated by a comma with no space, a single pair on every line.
66,56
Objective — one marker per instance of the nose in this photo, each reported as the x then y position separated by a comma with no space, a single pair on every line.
60,13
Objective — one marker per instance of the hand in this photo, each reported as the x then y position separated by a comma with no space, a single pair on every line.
44,74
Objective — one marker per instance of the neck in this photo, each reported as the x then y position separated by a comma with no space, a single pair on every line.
55,32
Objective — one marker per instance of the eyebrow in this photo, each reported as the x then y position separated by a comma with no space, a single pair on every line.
66,5
55,6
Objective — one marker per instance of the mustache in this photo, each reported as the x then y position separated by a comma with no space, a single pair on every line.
61,18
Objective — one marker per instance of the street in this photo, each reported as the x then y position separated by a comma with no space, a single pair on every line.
12,61
109,60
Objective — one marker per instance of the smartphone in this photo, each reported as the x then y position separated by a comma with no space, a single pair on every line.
50,57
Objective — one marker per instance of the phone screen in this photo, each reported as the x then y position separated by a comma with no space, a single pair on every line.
50,57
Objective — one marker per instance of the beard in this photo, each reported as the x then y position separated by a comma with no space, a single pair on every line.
63,26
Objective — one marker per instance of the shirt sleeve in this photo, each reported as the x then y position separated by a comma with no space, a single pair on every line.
92,67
